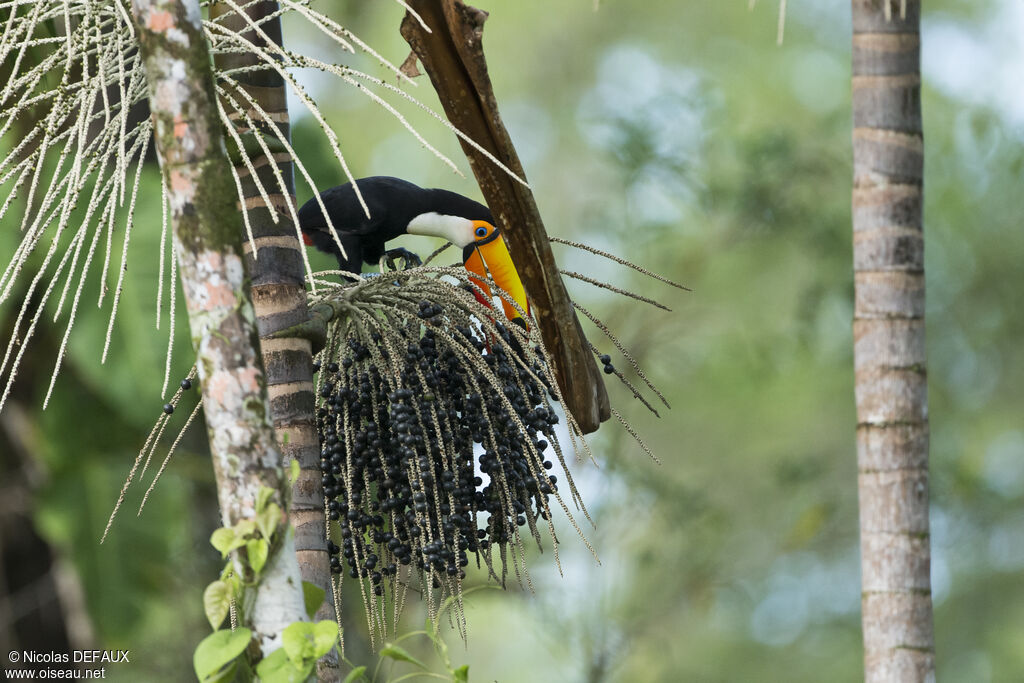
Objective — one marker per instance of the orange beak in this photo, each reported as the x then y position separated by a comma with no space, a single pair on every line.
493,256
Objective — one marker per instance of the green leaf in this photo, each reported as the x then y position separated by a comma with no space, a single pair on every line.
257,550
262,497
461,675
217,651
294,469
234,582
225,540
297,642
278,668
355,674
268,519
217,603
325,634
225,675
245,527
246,673
398,653
313,596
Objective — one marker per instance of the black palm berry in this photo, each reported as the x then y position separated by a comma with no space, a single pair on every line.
168,408
186,384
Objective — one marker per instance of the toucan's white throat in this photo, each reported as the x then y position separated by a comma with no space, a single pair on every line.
455,229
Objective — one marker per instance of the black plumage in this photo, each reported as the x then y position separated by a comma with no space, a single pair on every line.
393,203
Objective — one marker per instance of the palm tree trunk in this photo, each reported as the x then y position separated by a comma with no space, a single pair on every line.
889,348
278,291
207,240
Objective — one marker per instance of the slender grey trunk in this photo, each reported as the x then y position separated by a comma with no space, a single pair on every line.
889,348
207,239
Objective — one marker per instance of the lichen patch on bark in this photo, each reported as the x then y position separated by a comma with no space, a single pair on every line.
219,277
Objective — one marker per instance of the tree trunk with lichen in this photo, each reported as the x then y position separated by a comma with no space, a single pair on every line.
259,106
889,348
207,241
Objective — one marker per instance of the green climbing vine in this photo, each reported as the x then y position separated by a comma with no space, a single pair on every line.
218,658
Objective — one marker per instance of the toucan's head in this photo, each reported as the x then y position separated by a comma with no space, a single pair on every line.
483,249
488,247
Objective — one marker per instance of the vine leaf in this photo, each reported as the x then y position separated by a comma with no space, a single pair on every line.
257,550
400,654
268,519
355,675
313,596
217,603
277,668
226,539
214,659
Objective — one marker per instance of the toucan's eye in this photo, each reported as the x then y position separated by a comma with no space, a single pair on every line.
481,231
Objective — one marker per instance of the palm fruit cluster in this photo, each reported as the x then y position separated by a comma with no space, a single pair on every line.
437,437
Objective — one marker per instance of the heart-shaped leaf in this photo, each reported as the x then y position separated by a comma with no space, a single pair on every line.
217,603
312,596
218,650
257,551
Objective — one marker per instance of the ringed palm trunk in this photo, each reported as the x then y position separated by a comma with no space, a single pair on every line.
279,294
889,343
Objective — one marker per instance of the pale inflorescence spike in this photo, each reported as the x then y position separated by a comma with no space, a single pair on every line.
170,452
782,21
86,125
163,256
613,288
298,90
124,250
622,349
617,259
88,161
170,326
279,177
147,451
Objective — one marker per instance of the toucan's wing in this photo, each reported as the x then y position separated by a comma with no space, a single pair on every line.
347,214
322,240
392,203
348,219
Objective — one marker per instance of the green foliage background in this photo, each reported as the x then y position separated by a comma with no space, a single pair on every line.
680,136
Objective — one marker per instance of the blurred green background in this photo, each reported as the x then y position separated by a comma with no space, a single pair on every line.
680,136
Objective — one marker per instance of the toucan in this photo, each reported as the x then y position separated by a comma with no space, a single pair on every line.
398,207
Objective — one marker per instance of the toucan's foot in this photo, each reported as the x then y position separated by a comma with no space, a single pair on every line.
411,259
